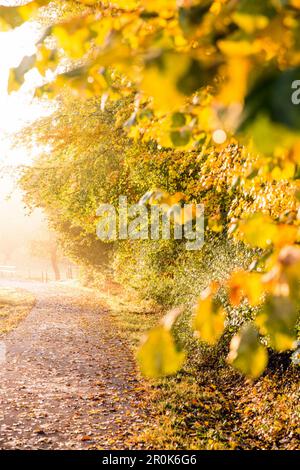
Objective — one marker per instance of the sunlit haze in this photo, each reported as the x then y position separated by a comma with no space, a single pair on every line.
16,110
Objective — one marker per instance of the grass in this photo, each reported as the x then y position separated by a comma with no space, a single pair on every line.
203,408
208,405
15,304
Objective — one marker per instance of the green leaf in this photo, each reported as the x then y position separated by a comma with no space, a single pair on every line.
180,138
277,320
190,18
252,15
178,120
247,354
158,355
272,122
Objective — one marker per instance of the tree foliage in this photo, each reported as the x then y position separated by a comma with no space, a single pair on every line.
206,91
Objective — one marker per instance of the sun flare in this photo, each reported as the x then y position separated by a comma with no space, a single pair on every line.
18,108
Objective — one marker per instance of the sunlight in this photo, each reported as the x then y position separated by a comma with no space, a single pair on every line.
18,108
16,44
149,230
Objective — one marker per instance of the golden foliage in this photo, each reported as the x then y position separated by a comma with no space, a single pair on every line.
203,77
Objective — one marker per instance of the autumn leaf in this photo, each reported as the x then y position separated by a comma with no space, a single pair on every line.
247,354
160,79
258,231
245,284
209,318
158,356
277,320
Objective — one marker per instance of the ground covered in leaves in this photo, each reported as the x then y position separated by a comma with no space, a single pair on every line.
209,405
68,380
205,409
15,304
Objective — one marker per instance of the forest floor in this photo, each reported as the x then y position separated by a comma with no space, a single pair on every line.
68,380
208,405
15,304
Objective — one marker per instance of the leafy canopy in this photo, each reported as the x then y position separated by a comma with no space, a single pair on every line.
199,77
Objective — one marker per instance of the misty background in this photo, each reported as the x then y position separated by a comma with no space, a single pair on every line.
28,249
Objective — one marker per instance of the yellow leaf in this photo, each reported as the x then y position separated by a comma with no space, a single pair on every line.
258,231
160,79
295,3
27,12
245,284
284,173
242,48
236,72
250,23
72,41
158,355
247,354
158,5
209,318
286,235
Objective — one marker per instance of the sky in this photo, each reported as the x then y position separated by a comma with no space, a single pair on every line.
16,110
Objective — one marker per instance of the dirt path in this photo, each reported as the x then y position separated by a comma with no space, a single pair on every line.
67,381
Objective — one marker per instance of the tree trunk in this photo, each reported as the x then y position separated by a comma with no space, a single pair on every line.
54,262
